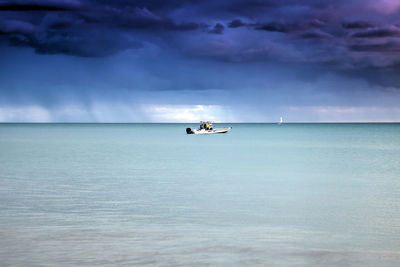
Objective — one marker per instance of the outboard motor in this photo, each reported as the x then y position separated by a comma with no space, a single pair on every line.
189,131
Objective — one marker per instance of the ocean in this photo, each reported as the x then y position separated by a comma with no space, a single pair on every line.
151,195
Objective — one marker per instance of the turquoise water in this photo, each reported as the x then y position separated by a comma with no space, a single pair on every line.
148,194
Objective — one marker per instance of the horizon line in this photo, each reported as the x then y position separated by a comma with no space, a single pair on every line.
244,122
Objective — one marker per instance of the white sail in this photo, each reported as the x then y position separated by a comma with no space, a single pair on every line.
281,121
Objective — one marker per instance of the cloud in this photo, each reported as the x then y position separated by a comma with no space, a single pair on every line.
140,18
290,27
83,28
315,35
387,47
16,27
115,112
25,114
378,33
181,27
59,22
218,29
236,23
97,44
386,7
357,25
40,5
278,27
346,113
75,27
184,113
317,23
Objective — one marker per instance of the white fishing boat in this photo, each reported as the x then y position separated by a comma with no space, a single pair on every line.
206,127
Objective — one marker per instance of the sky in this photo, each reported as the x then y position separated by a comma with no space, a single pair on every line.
192,60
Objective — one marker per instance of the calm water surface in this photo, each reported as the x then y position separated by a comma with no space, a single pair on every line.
148,194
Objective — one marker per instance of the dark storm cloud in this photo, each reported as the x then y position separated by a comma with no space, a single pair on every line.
317,23
388,47
218,29
58,22
290,27
357,25
43,5
385,77
74,24
251,8
315,35
236,23
100,44
85,28
307,31
278,27
378,33
136,18
157,5
16,27
257,52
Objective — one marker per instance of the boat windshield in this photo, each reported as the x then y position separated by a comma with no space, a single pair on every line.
206,125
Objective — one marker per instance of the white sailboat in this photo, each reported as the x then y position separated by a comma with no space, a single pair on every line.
281,121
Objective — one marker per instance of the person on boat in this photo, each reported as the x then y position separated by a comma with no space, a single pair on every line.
208,126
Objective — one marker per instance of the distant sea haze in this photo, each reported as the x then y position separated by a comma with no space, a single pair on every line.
149,194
